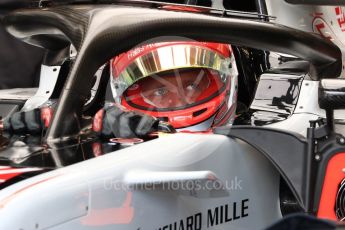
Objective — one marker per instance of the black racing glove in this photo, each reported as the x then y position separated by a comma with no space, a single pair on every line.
112,121
32,122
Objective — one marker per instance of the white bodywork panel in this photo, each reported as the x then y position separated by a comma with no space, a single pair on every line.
307,109
308,101
49,76
198,181
17,93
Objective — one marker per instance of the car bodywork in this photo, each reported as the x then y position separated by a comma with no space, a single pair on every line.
325,19
237,170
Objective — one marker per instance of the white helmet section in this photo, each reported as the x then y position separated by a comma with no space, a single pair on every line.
328,21
180,181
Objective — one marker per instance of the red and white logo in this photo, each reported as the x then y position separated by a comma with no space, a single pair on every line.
340,17
321,27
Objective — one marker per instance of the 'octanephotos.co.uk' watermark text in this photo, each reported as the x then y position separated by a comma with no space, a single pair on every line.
186,185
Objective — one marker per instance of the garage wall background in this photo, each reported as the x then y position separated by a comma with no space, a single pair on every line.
19,62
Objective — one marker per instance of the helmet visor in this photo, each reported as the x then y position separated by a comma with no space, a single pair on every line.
168,59
174,90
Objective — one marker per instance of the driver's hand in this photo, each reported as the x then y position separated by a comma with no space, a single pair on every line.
29,122
112,121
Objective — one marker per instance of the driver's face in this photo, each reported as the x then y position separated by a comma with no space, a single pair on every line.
175,89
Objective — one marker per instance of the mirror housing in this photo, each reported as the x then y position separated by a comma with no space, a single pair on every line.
331,97
332,94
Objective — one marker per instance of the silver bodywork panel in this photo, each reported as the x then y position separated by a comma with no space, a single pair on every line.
198,181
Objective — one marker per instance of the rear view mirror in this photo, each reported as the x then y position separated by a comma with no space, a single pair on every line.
331,97
332,94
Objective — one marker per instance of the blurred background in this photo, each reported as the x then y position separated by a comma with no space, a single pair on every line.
20,62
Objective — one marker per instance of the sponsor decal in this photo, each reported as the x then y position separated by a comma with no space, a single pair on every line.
340,17
138,50
321,27
212,217
331,25
190,223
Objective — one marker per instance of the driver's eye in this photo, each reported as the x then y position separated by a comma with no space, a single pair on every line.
160,92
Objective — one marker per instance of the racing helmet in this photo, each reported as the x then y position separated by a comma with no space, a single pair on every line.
191,85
